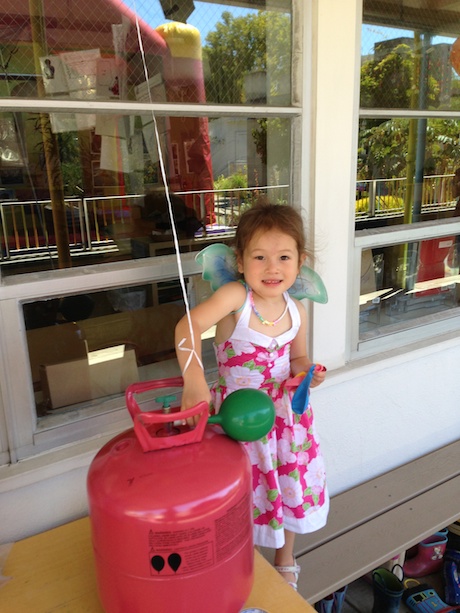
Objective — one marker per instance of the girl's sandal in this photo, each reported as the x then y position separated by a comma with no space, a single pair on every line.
294,569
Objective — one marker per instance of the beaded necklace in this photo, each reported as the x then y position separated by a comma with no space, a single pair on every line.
265,322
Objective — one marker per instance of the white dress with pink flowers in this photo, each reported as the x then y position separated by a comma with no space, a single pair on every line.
289,481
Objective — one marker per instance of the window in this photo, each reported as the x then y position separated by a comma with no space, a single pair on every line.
107,116
406,208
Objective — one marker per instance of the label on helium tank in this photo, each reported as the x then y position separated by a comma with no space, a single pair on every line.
191,550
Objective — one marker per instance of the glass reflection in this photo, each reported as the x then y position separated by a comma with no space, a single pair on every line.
408,171
109,50
73,197
406,282
410,58
84,347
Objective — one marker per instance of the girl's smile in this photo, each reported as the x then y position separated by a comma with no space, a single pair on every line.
270,262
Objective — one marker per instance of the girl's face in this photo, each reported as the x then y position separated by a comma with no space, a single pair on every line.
270,263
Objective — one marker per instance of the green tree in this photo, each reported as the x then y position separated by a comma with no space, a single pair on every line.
242,45
387,83
393,82
383,151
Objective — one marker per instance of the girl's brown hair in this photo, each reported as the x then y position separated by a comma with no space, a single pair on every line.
265,216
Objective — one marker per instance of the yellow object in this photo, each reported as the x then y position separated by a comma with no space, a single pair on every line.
182,40
54,571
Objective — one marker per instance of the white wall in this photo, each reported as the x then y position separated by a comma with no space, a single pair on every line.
377,417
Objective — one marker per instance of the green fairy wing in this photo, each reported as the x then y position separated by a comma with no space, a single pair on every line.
309,285
219,265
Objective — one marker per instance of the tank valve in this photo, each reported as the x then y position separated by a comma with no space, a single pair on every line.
168,429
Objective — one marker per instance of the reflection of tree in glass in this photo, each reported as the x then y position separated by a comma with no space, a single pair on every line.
387,82
238,46
392,82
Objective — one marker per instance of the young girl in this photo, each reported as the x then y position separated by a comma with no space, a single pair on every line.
260,343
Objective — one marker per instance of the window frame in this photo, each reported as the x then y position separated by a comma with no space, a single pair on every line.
423,328
432,325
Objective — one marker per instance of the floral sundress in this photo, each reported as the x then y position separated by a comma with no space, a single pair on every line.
289,482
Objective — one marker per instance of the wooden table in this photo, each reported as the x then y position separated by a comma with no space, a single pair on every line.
54,572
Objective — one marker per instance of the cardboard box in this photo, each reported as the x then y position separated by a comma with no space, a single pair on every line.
80,380
53,344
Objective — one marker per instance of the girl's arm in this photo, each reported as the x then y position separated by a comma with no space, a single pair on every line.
223,302
300,362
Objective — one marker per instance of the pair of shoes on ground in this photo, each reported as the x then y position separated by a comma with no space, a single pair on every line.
419,597
422,597
294,569
428,556
333,603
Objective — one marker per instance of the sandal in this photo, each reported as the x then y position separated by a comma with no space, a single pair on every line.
294,569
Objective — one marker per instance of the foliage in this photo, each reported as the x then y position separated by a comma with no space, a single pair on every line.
383,149
382,203
234,181
392,81
69,152
279,129
238,46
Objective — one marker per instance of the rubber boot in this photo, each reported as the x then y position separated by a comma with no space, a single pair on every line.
396,565
450,572
429,557
388,591
339,599
326,605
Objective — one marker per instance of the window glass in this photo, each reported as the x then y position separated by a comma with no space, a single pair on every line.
408,171
401,284
88,347
90,187
90,184
107,199
231,53
410,55
408,165
409,63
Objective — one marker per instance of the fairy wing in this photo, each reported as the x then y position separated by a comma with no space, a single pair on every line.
219,265
309,285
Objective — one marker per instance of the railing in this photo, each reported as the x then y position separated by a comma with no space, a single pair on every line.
27,228
387,197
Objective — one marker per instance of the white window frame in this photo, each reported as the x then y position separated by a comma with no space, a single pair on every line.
424,327
415,330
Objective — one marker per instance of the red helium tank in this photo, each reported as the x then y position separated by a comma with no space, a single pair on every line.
172,527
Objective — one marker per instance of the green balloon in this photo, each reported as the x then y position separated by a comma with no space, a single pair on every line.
246,415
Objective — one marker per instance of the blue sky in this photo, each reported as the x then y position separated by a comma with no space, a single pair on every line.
204,17
207,14
372,34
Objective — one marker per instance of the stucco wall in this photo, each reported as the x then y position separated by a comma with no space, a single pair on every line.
378,417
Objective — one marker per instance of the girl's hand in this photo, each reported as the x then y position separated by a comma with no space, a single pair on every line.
195,392
318,376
